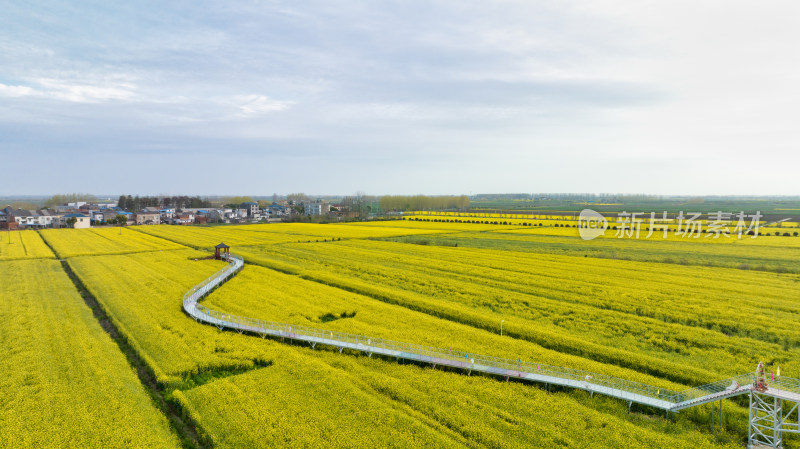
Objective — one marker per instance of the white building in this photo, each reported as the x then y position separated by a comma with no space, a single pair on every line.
317,208
81,221
96,216
35,219
167,214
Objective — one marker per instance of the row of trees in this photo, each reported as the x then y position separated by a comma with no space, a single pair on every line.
134,203
423,202
233,202
59,199
603,197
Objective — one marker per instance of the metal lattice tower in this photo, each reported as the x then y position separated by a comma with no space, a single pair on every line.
769,418
765,424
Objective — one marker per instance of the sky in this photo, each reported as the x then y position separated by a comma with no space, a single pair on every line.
399,97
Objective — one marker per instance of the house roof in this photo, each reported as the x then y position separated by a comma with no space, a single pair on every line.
75,216
222,246
23,213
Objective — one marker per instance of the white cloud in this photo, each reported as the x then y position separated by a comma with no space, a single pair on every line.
648,86
257,105
85,93
67,91
15,91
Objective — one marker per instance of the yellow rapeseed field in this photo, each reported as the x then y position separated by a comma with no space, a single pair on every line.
261,234
23,245
142,293
323,399
281,397
563,301
266,294
80,242
64,382
657,318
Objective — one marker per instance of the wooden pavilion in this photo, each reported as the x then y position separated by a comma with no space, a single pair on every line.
222,251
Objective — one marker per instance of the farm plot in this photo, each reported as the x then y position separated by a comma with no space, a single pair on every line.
318,398
664,324
260,234
65,383
416,404
269,295
757,254
143,300
142,294
207,237
23,245
766,237
82,242
658,318
341,231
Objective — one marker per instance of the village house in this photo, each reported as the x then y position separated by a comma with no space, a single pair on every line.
251,210
167,214
23,218
221,215
147,217
33,219
81,220
126,214
183,218
277,210
239,215
317,208
51,218
97,216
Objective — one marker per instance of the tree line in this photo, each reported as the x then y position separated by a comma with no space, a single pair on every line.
423,202
59,199
135,203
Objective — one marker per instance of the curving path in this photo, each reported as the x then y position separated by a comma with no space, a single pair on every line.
768,417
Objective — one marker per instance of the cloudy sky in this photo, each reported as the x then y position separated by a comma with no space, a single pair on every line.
438,97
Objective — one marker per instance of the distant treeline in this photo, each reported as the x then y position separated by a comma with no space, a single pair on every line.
602,197
566,196
503,196
57,200
135,203
422,202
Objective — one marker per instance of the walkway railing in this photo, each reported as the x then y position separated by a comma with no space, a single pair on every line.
637,392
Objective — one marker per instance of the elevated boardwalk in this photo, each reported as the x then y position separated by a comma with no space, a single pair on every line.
781,389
